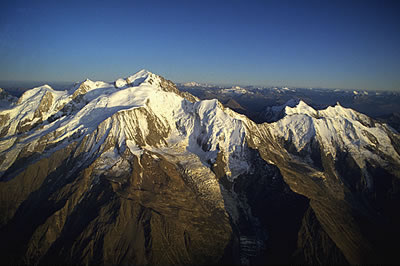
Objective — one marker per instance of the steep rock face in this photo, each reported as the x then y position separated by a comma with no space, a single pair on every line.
275,213
146,215
328,158
137,172
314,244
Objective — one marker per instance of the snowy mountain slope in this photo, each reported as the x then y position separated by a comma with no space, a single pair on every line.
179,119
33,107
141,141
337,128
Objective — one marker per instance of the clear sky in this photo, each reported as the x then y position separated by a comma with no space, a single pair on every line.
332,44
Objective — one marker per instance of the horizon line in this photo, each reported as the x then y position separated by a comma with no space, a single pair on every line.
44,82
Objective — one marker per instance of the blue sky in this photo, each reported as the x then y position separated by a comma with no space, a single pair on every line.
332,44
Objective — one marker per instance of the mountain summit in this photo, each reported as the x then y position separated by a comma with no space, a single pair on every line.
138,172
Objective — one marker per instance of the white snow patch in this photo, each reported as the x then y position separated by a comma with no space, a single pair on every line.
136,150
119,83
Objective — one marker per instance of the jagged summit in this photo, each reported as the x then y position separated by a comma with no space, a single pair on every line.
138,77
337,129
142,72
133,80
300,108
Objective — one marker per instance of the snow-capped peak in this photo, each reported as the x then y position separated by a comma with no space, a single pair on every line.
138,77
235,90
300,108
196,84
192,84
335,128
133,80
35,92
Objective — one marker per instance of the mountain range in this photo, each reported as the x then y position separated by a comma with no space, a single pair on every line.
139,172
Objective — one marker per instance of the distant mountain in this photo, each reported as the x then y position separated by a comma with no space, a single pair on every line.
235,90
258,101
195,84
6,100
139,172
274,113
